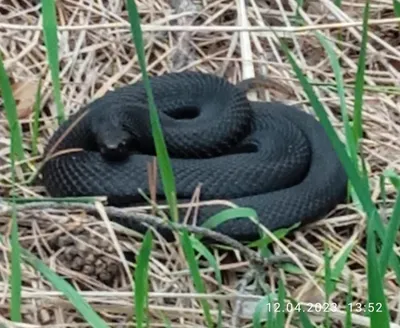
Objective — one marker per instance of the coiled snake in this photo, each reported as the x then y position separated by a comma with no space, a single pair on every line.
271,157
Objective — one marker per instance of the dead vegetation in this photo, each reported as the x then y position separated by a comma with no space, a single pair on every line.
97,54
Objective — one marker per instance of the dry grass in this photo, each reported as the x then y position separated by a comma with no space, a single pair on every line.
96,54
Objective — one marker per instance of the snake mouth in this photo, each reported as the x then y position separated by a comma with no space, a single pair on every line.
117,151
184,113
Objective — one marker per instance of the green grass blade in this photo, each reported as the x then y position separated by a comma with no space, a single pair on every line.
376,295
348,321
195,272
329,284
165,167
280,315
350,142
390,240
396,7
167,322
36,114
16,281
141,280
382,191
201,249
266,240
359,184
342,97
339,265
63,286
298,19
264,306
360,81
271,321
351,170
359,96
304,319
229,214
393,260
51,43
393,177
11,112
292,268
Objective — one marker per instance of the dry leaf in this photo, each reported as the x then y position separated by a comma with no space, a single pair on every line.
25,96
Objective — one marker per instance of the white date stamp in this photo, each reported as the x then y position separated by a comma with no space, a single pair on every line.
303,307
322,307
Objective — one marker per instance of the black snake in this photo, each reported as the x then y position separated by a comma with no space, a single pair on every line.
271,157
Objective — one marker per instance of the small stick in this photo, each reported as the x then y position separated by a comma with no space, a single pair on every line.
114,212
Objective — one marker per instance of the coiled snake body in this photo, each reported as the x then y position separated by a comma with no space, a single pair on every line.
271,157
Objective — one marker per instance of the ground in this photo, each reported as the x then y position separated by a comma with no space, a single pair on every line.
97,53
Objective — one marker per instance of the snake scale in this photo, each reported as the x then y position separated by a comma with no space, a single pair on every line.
268,156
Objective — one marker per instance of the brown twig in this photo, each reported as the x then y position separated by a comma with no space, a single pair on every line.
156,222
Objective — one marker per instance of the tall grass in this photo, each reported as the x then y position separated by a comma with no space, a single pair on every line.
141,281
16,152
378,261
11,113
16,254
19,254
359,180
163,159
49,20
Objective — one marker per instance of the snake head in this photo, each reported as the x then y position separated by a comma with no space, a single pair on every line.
115,150
113,142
